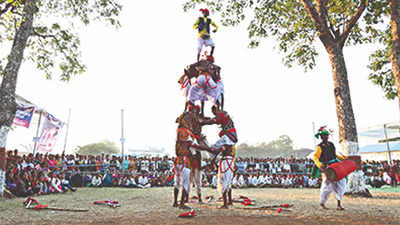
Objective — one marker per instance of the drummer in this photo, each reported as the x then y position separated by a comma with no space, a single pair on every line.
323,156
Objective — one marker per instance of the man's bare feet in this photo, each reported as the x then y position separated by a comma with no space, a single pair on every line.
339,208
223,207
323,206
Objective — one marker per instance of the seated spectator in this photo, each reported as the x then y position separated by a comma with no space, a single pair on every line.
235,181
97,181
65,183
143,182
107,179
386,178
214,181
241,182
129,181
55,183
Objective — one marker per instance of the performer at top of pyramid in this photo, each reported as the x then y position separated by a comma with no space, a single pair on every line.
202,24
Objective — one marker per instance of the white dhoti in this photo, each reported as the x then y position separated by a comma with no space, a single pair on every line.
327,187
224,140
186,91
225,174
220,90
205,42
204,89
195,178
197,93
182,177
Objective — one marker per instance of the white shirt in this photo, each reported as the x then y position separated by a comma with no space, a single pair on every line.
96,181
261,180
214,181
268,180
143,180
241,180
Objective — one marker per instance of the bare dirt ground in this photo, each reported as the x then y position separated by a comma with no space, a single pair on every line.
153,206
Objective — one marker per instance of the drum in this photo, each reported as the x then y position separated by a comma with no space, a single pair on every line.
338,171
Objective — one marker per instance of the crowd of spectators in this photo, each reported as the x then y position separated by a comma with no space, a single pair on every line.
46,173
381,173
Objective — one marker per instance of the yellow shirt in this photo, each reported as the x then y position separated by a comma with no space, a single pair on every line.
317,154
204,30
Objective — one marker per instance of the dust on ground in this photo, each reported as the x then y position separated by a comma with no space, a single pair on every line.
153,206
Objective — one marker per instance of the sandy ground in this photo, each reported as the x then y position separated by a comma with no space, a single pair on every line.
153,206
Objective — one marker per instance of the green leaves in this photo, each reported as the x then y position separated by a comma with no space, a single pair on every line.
55,47
288,22
381,72
377,20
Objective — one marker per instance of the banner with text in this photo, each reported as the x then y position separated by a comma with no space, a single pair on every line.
51,128
23,116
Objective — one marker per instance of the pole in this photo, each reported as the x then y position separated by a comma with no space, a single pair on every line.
387,144
66,132
122,133
313,133
36,139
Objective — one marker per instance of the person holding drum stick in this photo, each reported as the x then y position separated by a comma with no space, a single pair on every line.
325,155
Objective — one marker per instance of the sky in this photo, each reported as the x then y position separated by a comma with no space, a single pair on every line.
136,68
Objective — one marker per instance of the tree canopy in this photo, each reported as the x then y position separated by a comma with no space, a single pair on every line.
54,44
379,27
280,147
289,23
106,146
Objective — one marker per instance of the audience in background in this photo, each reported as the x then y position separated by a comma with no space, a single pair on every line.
46,173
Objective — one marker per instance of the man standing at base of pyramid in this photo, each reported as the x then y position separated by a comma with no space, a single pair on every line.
226,146
202,24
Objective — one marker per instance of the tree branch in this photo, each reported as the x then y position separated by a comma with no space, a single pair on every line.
320,23
5,9
34,32
350,24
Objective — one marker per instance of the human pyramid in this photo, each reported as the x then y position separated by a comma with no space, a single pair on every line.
202,82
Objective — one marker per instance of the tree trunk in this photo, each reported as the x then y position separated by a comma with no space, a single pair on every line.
347,125
9,83
2,170
395,56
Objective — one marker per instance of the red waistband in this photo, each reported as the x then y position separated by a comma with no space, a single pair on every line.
228,131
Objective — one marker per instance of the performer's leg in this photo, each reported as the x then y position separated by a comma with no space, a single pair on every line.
200,200
326,190
187,197
183,198
222,102
225,205
339,189
212,50
202,108
339,205
230,197
201,43
197,181
176,192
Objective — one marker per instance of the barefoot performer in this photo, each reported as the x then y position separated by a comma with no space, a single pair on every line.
186,141
323,157
196,175
226,146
